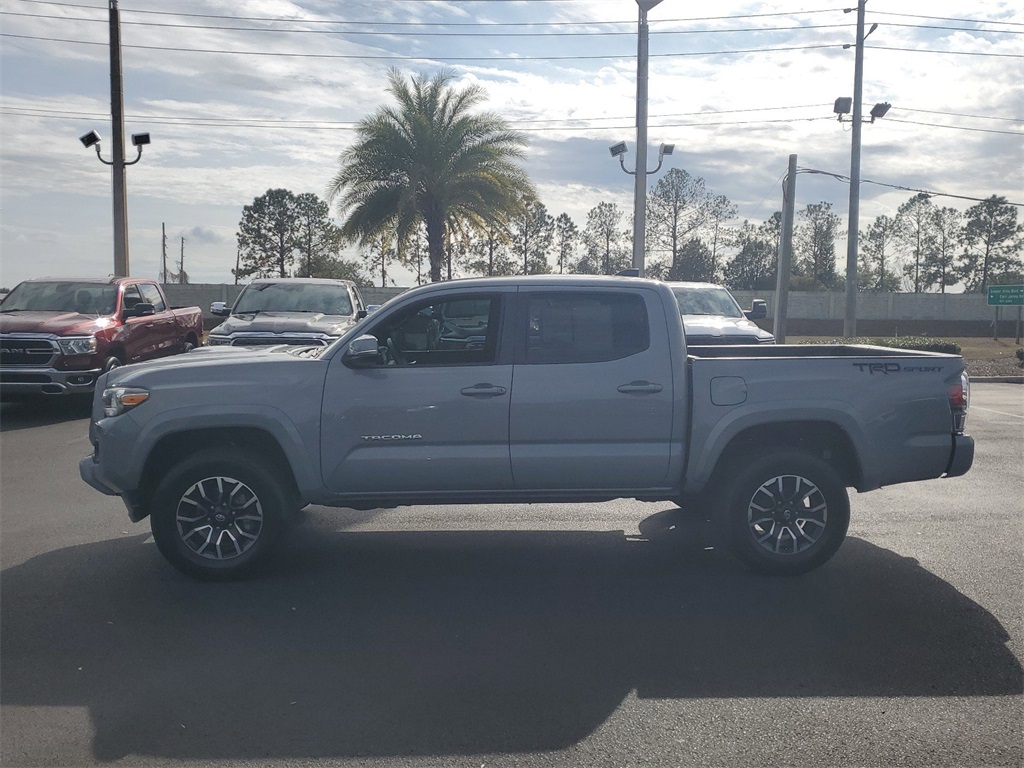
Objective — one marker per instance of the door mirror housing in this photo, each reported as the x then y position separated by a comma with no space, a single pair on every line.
142,309
363,352
758,310
220,309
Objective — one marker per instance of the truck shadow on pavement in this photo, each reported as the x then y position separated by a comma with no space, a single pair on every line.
38,412
456,643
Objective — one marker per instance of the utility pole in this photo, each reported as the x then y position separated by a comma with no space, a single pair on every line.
163,251
853,233
181,263
640,180
121,263
785,262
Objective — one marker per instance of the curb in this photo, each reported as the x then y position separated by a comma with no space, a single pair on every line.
997,379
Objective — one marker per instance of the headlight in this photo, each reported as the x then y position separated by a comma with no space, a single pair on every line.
84,345
215,341
117,400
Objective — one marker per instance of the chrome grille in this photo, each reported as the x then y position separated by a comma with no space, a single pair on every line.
29,352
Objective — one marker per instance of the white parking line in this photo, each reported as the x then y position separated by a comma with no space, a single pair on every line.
1001,413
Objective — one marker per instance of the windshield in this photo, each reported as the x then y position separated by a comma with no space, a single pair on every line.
62,296
706,300
294,297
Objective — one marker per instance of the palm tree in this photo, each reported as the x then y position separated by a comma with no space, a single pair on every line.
429,160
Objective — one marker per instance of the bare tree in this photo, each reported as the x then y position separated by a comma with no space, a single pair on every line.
916,225
676,208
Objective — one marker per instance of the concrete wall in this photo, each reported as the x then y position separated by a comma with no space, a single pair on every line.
810,313
888,314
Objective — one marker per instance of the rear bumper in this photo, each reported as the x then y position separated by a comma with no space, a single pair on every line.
26,382
963,456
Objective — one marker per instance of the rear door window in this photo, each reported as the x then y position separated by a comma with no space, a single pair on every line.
585,327
151,294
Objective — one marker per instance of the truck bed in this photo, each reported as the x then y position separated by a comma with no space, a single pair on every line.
891,406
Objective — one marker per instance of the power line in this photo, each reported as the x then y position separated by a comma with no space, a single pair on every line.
566,123
954,127
946,18
961,114
954,53
930,193
523,24
425,57
476,34
447,23
329,125
420,33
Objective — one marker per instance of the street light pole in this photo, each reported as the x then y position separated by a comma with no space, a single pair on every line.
853,233
640,180
121,266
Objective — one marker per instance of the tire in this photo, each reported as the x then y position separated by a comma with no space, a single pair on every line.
785,513
218,515
111,363
188,346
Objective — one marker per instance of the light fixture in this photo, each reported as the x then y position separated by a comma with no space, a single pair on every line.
843,106
89,139
879,110
618,150
666,149
140,139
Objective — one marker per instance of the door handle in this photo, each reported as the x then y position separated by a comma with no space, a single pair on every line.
640,388
483,390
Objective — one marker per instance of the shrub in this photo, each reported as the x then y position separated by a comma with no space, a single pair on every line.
918,343
1020,357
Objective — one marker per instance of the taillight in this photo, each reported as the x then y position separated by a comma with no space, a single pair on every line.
959,388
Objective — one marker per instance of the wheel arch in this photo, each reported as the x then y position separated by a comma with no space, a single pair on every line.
172,448
116,349
824,439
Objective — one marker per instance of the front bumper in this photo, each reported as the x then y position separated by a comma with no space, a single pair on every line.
15,381
963,456
90,472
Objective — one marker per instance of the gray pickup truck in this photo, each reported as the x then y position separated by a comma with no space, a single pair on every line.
288,310
541,389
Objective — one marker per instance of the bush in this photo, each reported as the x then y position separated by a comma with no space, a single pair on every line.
918,343
1020,357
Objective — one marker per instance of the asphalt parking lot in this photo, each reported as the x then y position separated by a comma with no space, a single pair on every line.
531,635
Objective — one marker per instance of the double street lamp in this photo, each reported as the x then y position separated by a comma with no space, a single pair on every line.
843,106
118,164
618,150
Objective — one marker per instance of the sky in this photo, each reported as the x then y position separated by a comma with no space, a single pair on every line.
242,96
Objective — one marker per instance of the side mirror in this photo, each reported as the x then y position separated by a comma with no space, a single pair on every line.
363,352
758,310
220,309
139,310
361,314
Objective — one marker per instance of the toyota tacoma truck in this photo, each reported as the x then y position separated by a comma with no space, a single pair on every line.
534,389
58,335
288,310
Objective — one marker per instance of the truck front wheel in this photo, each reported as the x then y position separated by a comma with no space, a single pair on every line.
786,513
218,514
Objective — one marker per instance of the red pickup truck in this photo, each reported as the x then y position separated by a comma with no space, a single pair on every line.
57,335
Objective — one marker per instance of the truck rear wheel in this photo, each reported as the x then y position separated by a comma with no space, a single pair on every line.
217,515
786,513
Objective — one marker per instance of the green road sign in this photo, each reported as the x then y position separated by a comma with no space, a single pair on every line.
1005,295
